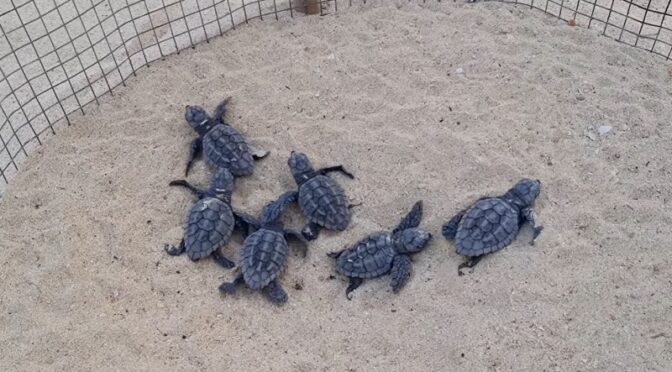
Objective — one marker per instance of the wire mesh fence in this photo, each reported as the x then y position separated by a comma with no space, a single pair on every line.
645,24
57,56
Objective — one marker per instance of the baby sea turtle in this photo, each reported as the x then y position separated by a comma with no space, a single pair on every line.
321,199
492,223
224,147
210,221
384,252
265,252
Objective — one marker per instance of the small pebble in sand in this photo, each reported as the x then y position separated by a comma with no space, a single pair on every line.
604,129
460,70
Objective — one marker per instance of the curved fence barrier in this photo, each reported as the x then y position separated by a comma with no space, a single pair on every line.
57,56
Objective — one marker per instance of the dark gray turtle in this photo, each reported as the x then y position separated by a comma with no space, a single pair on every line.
265,252
224,147
210,221
321,199
384,252
492,223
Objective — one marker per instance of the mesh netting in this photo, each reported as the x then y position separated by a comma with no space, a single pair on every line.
58,56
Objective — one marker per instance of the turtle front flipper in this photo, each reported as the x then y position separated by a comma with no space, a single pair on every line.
275,292
196,191
354,284
401,271
471,262
230,287
220,110
311,231
449,230
222,261
273,210
412,219
336,168
195,150
528,215
173,250
303,244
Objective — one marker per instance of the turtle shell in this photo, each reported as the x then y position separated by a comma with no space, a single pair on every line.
225,147
209,226
368,258
488,226
263,257
323,202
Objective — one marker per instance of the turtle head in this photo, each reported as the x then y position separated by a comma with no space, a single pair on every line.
300,166
412,240
221,184
196,116
524,193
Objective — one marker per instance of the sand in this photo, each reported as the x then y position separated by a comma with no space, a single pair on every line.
443,103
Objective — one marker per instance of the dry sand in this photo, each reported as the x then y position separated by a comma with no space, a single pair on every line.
87,286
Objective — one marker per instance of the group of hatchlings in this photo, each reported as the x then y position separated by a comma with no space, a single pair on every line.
488,225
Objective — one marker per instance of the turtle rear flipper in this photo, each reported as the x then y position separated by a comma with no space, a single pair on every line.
470,263
246,223
222,261
275,292
173,250
449,230
230,287
354,284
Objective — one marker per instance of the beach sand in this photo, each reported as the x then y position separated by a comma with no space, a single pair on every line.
444,103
